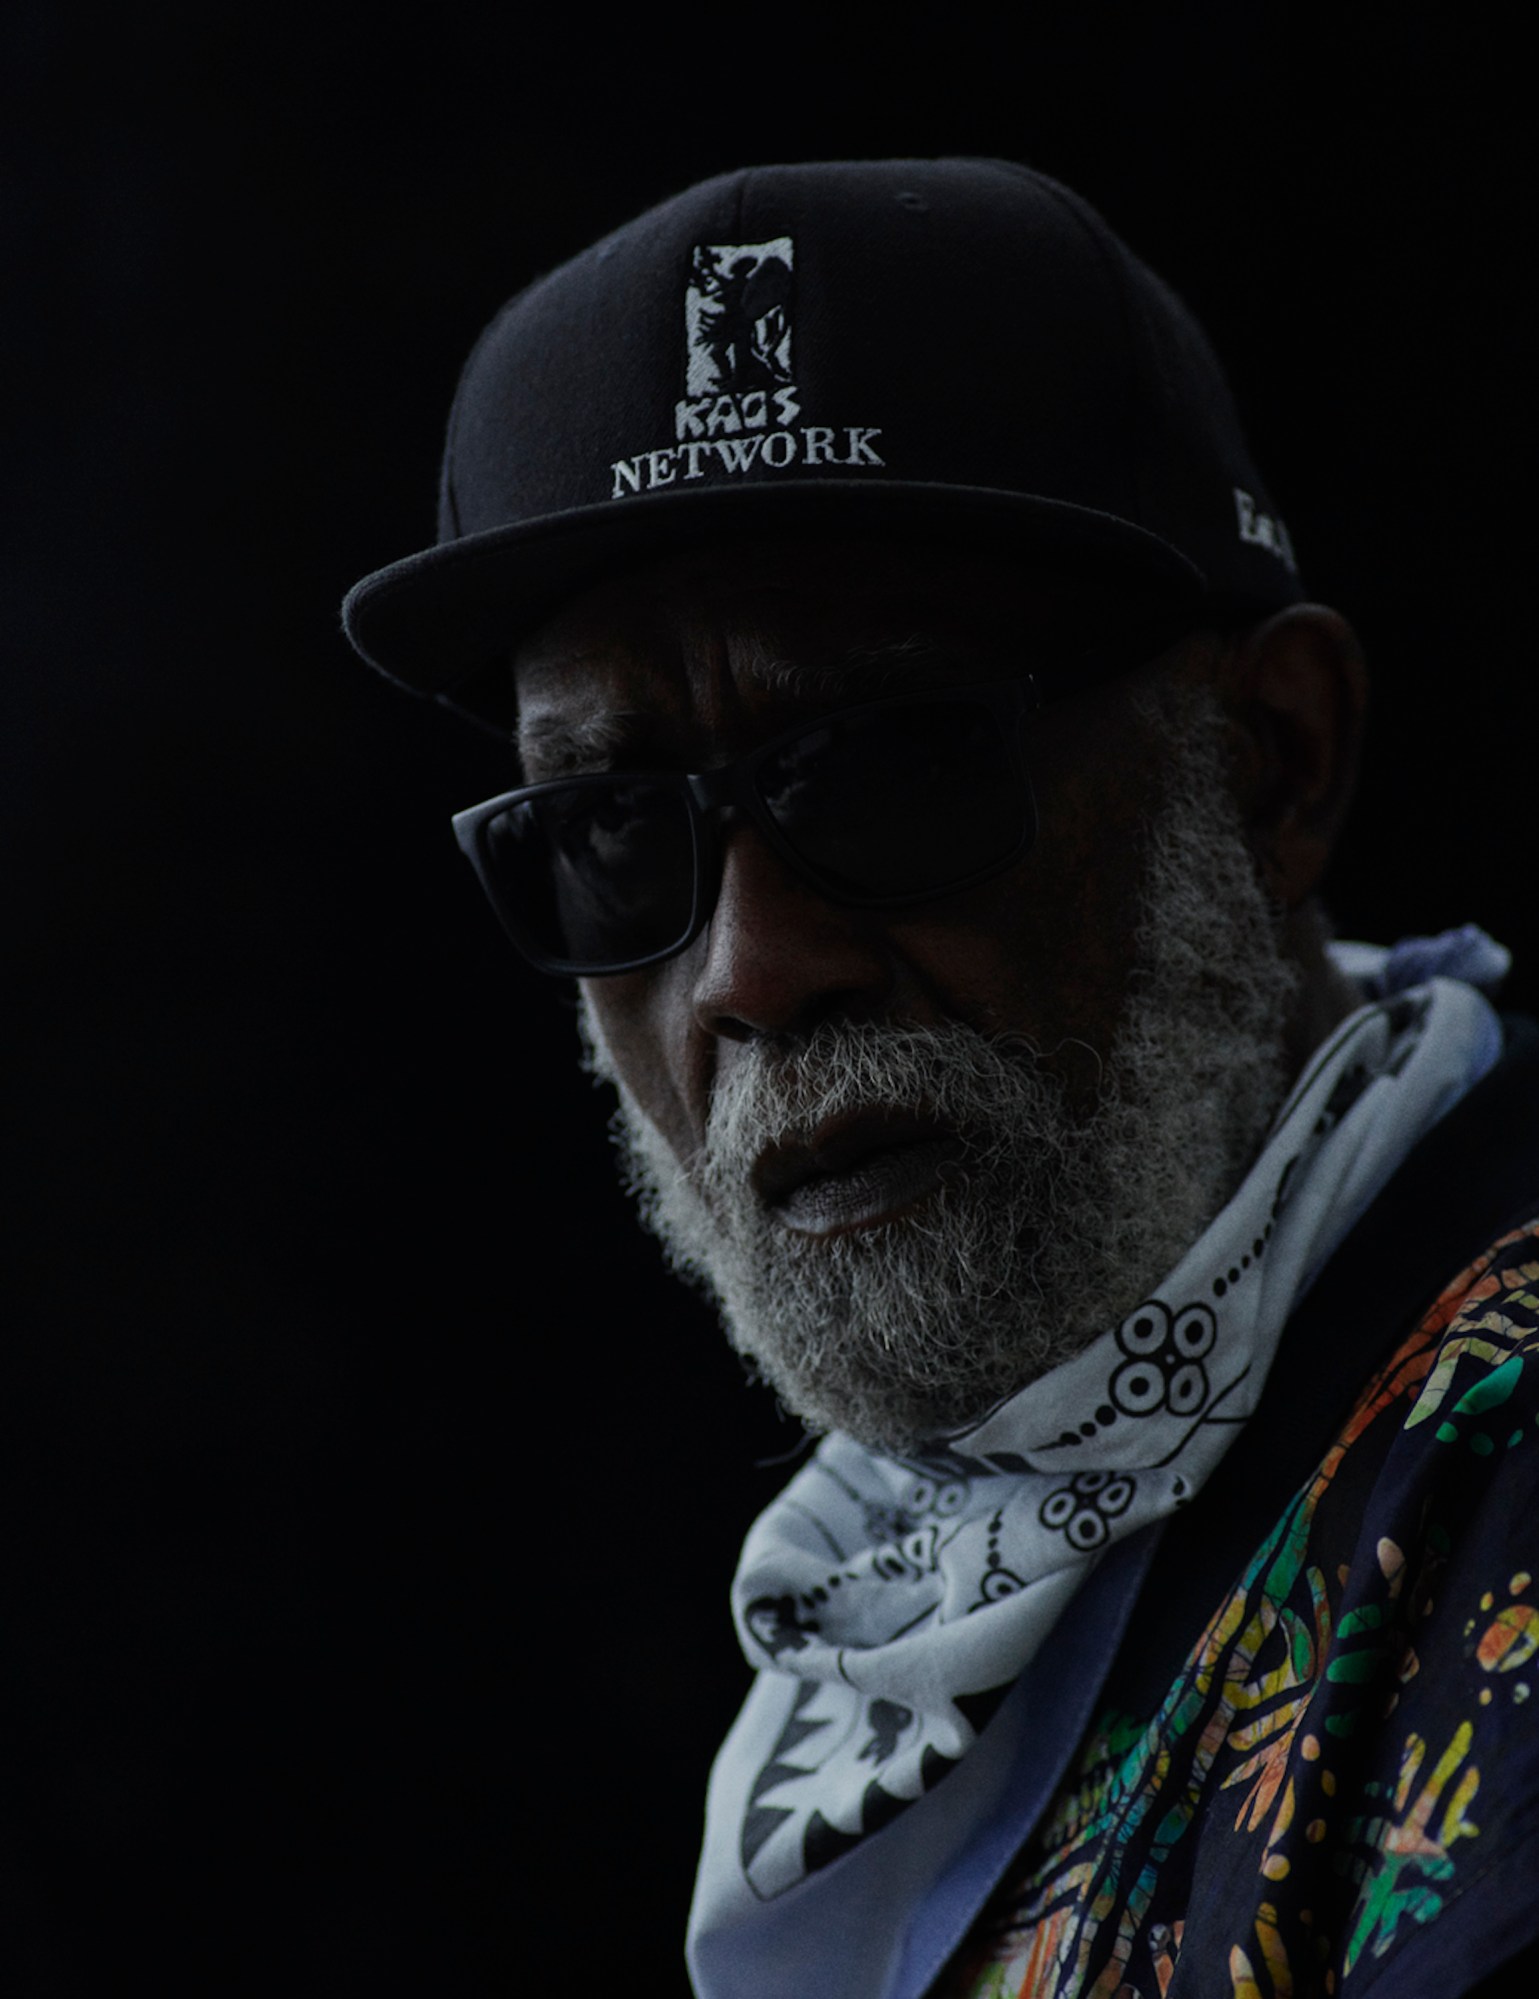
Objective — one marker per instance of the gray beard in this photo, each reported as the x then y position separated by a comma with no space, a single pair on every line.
1060,1216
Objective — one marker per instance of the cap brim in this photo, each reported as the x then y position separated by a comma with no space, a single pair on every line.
443,622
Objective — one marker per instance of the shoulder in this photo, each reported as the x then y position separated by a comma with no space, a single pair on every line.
1480,1346
1437,1464
1341,1783
1424,1708
1460,1393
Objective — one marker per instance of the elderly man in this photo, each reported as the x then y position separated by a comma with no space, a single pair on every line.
928,761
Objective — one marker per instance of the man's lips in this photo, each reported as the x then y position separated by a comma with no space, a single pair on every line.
854,1170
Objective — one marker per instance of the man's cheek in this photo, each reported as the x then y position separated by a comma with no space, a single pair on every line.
598,1057
625,1053
620,1035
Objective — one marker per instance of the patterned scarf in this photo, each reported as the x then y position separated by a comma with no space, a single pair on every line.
887,1603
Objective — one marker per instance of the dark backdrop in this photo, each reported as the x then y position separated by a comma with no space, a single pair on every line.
370,1497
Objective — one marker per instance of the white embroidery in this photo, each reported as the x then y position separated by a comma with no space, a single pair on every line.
737,316
1263,530
813,444
741,404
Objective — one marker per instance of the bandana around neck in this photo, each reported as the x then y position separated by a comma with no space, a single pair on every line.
888,1603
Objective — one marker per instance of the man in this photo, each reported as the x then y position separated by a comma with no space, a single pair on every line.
928,760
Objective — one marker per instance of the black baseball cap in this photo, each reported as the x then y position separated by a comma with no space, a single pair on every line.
953,348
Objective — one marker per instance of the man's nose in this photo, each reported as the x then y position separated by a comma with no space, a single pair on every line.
778,956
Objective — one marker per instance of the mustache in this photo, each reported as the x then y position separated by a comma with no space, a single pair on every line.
952,1076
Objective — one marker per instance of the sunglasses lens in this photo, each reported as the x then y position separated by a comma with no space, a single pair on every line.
901,802
595,875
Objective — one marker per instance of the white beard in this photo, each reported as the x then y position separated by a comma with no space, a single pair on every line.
1057,1220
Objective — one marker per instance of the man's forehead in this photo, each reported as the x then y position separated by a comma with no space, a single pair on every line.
785,608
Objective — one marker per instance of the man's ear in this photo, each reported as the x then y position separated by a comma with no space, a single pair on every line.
1296,692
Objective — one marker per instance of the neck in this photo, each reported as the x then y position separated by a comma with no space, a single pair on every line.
1325,996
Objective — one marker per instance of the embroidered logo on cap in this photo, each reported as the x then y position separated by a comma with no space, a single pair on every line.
1263,530
740,408
737,324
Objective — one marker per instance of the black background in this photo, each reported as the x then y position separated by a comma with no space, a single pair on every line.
369,1494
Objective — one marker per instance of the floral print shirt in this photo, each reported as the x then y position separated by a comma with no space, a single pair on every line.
1340,1788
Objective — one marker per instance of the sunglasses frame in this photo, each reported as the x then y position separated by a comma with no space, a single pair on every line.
713,795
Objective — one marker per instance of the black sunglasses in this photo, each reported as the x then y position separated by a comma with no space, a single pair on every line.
877,806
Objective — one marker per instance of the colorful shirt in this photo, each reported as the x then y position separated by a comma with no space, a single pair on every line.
1342,1782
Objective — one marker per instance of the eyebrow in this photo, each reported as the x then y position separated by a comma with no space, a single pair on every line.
891,668
553,746
556,746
